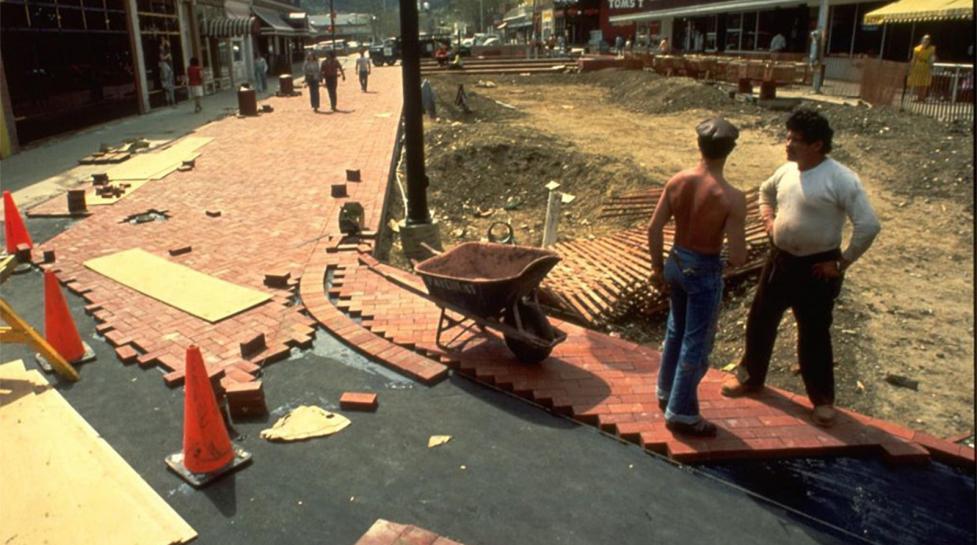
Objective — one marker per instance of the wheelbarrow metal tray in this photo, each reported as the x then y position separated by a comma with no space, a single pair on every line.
484,278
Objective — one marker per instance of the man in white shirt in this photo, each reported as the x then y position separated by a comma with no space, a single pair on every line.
778,43
363,69
804,206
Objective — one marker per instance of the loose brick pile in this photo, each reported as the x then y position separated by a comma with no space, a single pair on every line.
250,212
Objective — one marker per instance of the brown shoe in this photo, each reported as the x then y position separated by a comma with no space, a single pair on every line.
823,415
732,387
702,428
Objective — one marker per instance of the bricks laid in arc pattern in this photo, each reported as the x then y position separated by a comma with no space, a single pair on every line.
602,381
270,177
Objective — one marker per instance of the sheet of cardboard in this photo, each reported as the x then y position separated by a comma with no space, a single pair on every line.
70,486
191,291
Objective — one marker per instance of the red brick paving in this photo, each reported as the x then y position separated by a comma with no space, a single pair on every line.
603,381
384,532
270,178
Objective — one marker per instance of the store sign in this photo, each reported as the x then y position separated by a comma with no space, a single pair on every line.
625,4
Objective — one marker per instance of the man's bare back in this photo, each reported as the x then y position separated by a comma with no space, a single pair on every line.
702,204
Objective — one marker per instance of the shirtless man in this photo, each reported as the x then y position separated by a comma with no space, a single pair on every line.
705,208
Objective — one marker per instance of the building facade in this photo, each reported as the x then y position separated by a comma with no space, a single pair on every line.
68,64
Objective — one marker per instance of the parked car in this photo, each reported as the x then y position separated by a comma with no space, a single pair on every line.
385,52
490,40
339,47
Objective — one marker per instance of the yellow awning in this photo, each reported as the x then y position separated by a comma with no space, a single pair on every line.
909,11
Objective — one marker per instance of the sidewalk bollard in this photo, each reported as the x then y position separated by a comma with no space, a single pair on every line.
339,191
552,214
247,101
76,201
286,86
768,90
745,86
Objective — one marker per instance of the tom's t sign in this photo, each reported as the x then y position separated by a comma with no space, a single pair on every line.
625,4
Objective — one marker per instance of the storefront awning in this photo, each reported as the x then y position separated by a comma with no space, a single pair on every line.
705,9
228,27
911,11
275,24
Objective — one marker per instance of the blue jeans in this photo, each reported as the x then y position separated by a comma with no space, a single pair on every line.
314,93
696,284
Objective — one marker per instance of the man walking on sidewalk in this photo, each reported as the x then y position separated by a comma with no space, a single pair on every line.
331,69
705,208
363,69
312,74
804,205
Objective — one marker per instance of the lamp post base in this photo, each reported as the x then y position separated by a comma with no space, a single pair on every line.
413,238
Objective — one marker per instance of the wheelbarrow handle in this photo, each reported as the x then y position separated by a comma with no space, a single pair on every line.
428,247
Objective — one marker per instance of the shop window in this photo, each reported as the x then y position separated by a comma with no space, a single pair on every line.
71,18
95,20
13,15
236,48
116,20
749,31
842,22
43,16
734,23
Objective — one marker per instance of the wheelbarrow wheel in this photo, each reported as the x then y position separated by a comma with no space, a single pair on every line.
534,322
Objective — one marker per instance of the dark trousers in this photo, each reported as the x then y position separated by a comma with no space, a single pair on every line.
364,76
787,282
313,93
331,88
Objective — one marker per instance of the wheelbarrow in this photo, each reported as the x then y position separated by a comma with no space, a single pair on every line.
495,286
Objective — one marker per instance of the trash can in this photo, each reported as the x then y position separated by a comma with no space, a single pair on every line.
285,85
247,101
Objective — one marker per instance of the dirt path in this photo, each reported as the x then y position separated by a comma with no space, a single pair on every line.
907,306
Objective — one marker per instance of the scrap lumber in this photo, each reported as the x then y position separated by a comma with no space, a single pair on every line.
70,486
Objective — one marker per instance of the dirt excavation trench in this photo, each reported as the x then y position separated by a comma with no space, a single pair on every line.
907,306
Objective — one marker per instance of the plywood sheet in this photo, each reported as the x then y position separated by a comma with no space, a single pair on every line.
179,286
157,164
69,485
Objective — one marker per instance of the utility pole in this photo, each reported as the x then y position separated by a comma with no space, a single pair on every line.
818,45
332,23
418,229
481,17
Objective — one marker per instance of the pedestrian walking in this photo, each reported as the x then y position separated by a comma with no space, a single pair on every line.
706,208
311,71
804,205
331,69
260,72
363,69
195,79
167,80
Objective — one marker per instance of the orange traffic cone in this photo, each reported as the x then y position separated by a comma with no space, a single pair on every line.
59,327
14,230
207,449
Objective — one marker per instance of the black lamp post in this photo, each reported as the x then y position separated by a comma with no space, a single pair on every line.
417,182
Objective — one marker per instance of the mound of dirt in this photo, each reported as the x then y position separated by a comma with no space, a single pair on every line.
480,176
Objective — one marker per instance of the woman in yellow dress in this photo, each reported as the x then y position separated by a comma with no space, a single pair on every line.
924,55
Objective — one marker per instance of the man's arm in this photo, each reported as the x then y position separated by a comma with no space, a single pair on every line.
656,237
865,224
768,201
735,229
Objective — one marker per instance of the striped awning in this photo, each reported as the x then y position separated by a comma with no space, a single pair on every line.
228,27
911,11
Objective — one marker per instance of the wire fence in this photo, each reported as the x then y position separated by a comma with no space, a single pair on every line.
950,95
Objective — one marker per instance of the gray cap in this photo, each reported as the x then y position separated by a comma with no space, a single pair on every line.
717,129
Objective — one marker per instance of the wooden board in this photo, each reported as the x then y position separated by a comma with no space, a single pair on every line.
157,164
191,291
65,484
